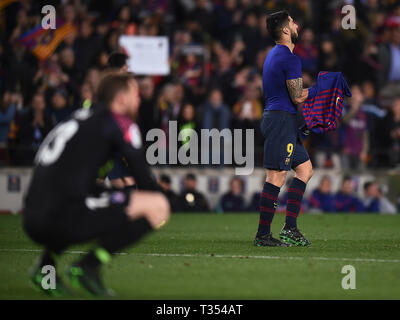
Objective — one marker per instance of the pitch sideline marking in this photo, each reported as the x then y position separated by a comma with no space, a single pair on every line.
190,255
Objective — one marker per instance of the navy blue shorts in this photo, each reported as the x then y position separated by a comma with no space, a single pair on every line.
283,148
119,170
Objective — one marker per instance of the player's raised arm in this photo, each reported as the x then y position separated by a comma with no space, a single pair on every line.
296,92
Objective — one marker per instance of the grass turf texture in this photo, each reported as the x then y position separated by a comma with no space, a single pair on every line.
205,269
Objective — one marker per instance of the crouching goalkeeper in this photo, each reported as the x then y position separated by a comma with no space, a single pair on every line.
64,206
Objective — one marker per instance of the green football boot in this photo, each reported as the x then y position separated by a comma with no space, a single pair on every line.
37,277
294,237
88,279
267,240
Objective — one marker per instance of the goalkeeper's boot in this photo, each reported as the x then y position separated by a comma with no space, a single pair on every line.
37,277
293,236
267,240
89,279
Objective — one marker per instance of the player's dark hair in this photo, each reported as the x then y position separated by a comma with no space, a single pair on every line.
112,84
275,22
117,59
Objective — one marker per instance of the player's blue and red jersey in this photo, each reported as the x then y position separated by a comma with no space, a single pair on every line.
280,65
323,110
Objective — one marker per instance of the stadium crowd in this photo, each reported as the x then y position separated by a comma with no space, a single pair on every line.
218,86
322,199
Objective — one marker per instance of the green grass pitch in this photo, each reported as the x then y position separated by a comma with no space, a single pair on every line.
210,256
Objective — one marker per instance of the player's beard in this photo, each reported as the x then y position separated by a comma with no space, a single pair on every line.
294,37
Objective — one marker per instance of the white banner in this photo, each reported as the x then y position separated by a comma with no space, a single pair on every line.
147,55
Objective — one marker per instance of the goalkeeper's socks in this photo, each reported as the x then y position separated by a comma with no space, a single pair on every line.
293,206
48,258
95,258
268,204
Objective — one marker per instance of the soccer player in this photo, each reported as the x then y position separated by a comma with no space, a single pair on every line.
64,205
119,174
283,150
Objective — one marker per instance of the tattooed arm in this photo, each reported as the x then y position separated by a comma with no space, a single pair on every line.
296,91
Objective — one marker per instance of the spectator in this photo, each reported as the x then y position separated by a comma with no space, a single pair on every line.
370,66
247,112
86,95
329,59
251,35
307,51
190,71
219,44
191,200
92,77
31,126
371,200
165,183
202,12
233,201
224,75
68,68
226,16
356,140
389,57
7,112
216,114
148,116
345,200
385,205
118,60
86,46
187,120
59,106
374,114
321,199
169,104
389,134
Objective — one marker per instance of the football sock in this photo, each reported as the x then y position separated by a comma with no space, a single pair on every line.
293,206
268,204
48,258
95,258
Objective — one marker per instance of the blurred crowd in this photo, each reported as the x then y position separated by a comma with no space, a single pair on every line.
323,199
217,50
